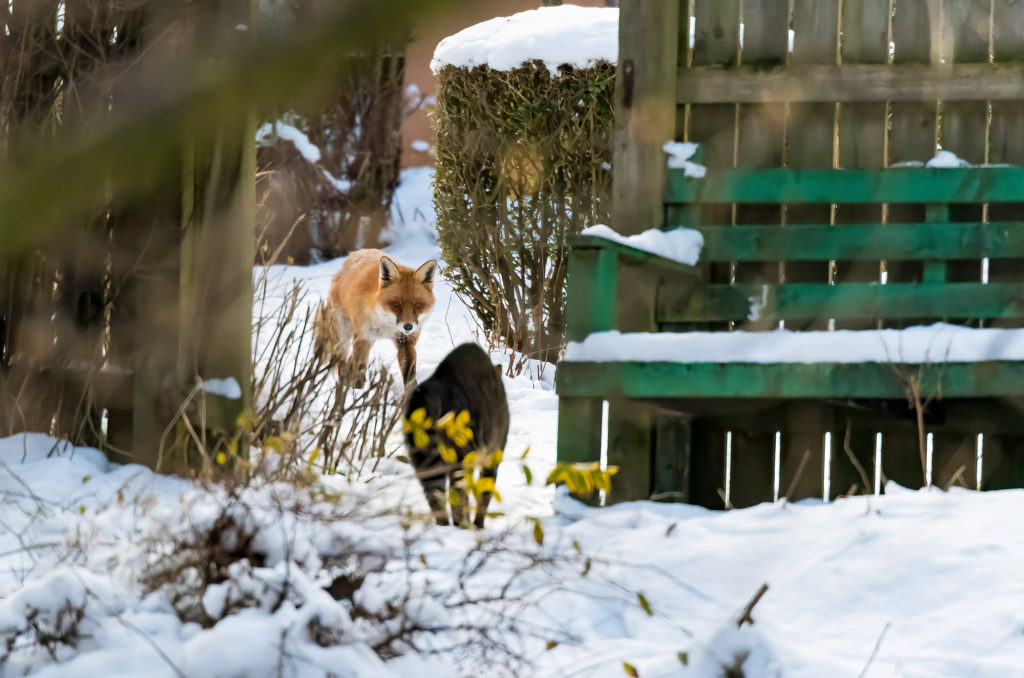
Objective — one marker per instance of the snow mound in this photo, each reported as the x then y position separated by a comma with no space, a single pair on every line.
914,345
562,35
679,154
680,244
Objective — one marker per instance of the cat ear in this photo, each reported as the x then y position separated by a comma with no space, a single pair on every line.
425,273
388,271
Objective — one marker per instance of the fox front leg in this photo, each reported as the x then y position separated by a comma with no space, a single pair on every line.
357,363
407,359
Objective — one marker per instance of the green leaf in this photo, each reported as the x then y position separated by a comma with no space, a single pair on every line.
630,670
644,604
551,644
529,475
683,658
538,532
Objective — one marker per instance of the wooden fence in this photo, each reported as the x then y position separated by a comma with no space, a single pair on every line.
110,315
827,84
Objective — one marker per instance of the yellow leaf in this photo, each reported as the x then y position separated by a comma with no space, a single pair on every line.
529,475
612,470
454,497
644,604
81,509
525,453
222,458
420,438
493,459
448,454
538,532
551,644
469,461
485,485
313,456
683,658
423,559
630,670
86,479
120,498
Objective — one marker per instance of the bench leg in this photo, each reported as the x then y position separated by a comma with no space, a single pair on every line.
671,480
631,436
579,430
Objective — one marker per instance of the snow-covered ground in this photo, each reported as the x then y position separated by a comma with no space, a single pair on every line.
912,583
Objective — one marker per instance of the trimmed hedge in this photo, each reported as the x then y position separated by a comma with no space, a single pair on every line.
523,161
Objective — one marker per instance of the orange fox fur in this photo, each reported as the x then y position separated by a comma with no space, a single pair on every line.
372,297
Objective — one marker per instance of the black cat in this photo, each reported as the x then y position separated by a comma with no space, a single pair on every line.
466,380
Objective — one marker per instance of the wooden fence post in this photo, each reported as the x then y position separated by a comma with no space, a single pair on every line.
645,111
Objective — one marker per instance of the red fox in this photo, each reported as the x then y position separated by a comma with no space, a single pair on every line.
372,297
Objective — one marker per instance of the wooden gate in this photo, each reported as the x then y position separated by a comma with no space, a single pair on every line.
823,84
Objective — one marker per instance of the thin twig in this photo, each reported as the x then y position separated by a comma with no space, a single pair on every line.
745,617
878,644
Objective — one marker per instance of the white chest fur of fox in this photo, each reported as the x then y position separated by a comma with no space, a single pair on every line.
372,297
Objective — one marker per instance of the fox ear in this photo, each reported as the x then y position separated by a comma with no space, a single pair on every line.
425,273
388,271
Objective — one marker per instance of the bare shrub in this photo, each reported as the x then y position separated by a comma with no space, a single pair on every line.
302,411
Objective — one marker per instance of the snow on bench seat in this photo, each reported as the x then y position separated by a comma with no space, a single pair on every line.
938,343
682,245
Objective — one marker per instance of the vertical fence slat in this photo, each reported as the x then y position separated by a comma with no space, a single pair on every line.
1003,456
861,144
811,140
761,140
964,38
716,41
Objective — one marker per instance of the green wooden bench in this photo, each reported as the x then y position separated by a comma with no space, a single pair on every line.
670,425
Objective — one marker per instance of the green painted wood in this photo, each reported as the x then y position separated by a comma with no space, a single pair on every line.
861,131
631,444
579,429
850,300
896,185
671,464
786,380
863,242
935,271
592,285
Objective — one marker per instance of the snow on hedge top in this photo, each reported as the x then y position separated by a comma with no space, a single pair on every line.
565,34
679,244
936,343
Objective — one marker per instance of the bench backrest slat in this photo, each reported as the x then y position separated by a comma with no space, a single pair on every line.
864,242
894,185
768,304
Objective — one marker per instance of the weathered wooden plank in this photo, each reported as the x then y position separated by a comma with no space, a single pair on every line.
897,185
812,125
1007,124
762,132
850,83
645,112
786,380
864,242
862,129
802,301
716,43
965,39
916,36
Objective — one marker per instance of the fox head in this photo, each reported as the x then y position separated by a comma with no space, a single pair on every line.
405,294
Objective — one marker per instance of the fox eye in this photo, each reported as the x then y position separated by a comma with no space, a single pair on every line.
419,308
396,307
